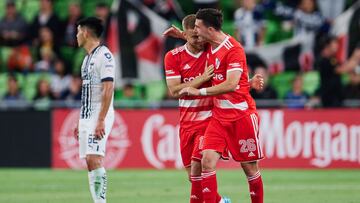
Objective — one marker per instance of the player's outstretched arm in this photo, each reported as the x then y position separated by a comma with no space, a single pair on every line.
174,32
107,92
175,85
257,82
229,85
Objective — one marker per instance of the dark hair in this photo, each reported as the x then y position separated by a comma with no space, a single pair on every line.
211,17
92,23
128,85
10,3
101,5
189,22
13,77
324,41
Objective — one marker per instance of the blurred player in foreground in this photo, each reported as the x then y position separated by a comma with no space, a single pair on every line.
97,112
186,66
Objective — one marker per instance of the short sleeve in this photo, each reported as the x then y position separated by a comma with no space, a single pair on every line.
236,60
107,69
171,66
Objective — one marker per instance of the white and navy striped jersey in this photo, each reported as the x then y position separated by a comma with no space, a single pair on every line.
97,67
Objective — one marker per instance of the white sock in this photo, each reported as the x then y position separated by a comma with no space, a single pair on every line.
91,185
98,185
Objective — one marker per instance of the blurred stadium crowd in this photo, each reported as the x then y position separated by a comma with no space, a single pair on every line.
40,61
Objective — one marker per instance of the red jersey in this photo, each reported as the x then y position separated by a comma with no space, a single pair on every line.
195,111
230,56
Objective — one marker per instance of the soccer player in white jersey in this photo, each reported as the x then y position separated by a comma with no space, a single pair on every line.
97,112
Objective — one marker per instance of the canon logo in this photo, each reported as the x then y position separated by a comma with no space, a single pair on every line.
160,142
320,142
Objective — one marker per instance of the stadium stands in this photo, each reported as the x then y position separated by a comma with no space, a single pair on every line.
154,91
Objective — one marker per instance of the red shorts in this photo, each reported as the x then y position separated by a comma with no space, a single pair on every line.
240,137
190,145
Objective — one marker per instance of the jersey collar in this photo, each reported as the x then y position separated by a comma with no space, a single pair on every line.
93,51
219,47
191,54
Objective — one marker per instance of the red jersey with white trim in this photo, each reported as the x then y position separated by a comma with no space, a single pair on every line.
230,56
195,111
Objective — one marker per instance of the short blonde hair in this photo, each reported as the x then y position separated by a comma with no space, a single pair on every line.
189,22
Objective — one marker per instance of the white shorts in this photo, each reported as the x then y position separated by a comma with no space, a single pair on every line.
87,142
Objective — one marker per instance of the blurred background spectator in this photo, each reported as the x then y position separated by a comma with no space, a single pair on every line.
44,96
249,23
47,50
307,19
129,93
70,27
20,59
46,18
102,11
331,87
43,91
73,91
13,93
297,97
267,92
60,80
13,27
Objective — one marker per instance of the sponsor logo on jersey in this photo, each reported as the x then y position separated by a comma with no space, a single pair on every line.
251,154
188,79
206,190
107,55
218,76
217,63
193,197
186,67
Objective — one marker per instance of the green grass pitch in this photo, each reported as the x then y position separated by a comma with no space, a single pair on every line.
152,186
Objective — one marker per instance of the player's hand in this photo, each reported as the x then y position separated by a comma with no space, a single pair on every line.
208,73
173,31
190,91
99,130
257,82
76,131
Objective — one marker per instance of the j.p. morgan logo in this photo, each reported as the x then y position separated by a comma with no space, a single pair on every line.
116,146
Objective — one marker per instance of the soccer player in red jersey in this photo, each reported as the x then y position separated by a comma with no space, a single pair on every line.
185,66
234,124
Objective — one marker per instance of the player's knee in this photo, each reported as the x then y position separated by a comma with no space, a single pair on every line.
93,162
196,168
250,168
208,163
